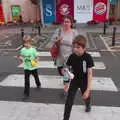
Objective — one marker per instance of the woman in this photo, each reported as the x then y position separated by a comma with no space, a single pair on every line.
65,35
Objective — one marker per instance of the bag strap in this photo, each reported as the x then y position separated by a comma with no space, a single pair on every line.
73,32
59,32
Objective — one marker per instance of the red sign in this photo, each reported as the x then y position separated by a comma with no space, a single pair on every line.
100,10
1,15
64,7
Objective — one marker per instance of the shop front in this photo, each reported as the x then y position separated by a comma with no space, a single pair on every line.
20,10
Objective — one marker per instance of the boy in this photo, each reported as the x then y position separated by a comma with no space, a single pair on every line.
81,63
30,58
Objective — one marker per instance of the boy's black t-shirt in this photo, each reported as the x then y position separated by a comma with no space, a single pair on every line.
80,64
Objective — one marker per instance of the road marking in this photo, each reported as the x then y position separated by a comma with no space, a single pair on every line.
33,111
49,81
42,54
93,54
106,45
99,65
50,64
43,64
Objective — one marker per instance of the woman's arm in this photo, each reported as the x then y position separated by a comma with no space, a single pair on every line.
56,35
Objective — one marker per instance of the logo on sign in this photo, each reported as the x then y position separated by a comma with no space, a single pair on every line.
48,10
100,8
64,9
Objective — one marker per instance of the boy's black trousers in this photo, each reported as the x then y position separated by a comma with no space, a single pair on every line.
27,80
74,85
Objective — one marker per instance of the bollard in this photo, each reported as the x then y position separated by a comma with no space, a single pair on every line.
113,37
22,34
104,32
39,29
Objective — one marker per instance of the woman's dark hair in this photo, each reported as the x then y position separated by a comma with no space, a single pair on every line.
70,18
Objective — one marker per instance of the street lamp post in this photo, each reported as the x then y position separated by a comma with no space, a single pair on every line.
22,34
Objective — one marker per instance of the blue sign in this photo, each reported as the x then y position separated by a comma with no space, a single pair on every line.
48,11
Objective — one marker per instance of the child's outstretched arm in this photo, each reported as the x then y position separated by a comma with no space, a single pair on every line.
37,58
20,59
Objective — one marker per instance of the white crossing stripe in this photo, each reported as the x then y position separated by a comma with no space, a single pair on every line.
41,111
50,64
43,64
42,54
55,82
93,54
99,65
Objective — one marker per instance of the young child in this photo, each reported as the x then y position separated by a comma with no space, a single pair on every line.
29,56
81,63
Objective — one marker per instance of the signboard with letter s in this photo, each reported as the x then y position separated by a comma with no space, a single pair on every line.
48,11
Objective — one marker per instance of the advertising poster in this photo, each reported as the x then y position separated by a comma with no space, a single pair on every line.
16,12
48,11
64,7
1,15
83,10
100,10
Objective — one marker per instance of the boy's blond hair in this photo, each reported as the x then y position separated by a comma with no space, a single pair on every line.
27,38
80,40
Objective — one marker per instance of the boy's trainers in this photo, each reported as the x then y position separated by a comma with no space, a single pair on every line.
38,86
88,108
25,97
65,93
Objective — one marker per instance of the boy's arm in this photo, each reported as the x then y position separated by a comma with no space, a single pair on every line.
89,86
90,74
37,58
20,59
89,78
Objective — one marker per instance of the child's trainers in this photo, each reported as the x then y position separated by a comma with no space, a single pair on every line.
88,108
65,93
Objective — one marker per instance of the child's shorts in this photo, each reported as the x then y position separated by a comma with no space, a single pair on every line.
66,82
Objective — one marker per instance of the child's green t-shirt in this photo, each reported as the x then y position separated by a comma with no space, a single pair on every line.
29,54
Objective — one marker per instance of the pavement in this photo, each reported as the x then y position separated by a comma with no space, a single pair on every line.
47,102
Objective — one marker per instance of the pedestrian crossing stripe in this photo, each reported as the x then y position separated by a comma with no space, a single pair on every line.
55,82
93,54
50,64
37,111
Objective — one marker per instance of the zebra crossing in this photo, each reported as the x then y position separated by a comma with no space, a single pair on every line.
47,104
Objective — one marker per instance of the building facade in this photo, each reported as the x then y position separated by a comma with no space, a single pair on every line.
15,9
114,10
